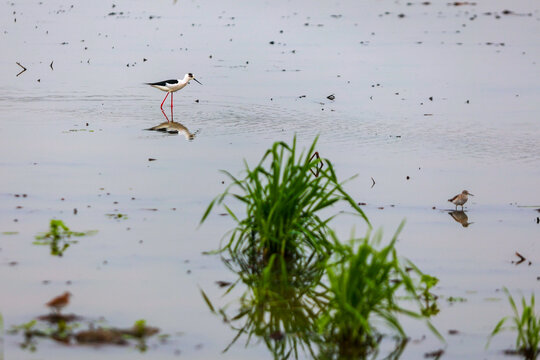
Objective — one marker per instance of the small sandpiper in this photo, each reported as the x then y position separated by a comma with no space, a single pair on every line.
460,199
59,302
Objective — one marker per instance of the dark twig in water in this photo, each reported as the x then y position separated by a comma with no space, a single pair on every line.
434,354
319,168
521,258
372,185
23,69
51,65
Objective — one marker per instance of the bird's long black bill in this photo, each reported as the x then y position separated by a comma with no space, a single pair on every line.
197,81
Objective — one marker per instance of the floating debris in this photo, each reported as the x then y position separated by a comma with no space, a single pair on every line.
101,336
461,3
434,354
319,168
23,68
117,216
222,283
521,259
59,328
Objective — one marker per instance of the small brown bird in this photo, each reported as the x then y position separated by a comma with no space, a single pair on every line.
59,302
460,199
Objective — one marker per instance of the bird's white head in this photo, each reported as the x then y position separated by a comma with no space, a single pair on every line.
189,77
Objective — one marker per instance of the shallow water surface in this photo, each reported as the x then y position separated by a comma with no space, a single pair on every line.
441,99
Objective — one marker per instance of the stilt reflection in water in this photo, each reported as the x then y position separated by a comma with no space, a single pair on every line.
174,128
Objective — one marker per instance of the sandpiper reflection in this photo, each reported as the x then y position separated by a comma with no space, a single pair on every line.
174,128
460,217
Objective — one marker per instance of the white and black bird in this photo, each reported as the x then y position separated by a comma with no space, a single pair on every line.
171,86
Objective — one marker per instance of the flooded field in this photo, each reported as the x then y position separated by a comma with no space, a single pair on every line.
429,99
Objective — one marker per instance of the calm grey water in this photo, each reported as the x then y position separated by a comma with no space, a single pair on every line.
447,95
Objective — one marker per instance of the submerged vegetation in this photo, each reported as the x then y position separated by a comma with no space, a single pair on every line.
526,324
59,237
71,330
305,289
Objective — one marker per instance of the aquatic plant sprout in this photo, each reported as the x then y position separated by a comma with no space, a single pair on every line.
58,230
363,285
526,324
58,237
283,203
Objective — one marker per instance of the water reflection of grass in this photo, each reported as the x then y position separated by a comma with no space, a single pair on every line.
280,306
326,309
306,291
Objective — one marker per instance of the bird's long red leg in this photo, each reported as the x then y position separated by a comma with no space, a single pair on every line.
165,115
172,116
164,100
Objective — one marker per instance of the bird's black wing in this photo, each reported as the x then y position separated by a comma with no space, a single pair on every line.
164,83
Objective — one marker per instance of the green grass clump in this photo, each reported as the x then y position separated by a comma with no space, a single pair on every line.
284,201
58,237
304,288
429,299
526,324
363,287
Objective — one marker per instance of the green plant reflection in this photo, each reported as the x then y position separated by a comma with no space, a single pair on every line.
281,304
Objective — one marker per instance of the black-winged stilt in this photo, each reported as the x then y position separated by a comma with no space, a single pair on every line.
171,86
